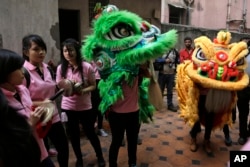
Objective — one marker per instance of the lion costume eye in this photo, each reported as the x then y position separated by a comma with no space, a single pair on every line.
119,31
200,55
240,62
104,60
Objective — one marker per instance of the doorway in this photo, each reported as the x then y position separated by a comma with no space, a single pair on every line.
69,24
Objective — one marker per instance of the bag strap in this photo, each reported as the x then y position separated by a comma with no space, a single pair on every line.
26,76
52,73
167,54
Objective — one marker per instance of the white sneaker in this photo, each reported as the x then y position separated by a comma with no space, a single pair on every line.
101,132
52,152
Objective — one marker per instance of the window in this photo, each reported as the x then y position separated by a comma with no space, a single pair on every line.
176,14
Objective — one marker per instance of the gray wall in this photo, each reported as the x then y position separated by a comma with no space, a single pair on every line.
194,32
144,8
19,18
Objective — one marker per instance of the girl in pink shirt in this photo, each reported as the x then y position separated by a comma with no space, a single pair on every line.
18,147
42,86
18,97
78,106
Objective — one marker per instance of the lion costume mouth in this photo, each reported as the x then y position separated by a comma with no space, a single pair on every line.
219,78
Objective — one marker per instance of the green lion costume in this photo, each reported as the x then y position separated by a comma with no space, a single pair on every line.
120,42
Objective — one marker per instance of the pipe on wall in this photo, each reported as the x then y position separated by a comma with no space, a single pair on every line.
228,13
244,15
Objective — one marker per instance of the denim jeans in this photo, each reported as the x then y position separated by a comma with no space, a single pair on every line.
167,81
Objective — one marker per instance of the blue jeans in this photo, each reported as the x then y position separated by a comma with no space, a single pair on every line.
167,81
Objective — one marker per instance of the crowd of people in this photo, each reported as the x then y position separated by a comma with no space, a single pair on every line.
25,100
28,88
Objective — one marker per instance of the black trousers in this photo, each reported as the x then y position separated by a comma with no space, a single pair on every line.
95,100
243,108
59,139
87,119
47,162
119,123
209,120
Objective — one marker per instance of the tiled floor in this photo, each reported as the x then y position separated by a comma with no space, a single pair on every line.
165,144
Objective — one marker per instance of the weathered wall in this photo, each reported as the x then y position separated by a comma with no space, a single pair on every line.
19,18
193,32
144,8
212,14
83,7
1,41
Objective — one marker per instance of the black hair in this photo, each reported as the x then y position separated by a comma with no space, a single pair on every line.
70,42
26,42
9,62
18,147
187,38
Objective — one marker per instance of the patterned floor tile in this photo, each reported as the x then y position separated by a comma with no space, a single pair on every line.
165,143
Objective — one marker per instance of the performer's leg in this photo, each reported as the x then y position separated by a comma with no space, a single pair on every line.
209,117
234,114
194,131
243,108
228,140
170,86
117,123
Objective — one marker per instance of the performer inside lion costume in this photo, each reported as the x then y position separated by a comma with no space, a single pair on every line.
120,43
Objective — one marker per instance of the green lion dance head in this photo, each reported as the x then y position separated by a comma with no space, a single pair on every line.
119,43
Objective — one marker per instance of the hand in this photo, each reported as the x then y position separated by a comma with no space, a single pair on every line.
168,60
46,101
83,91
78,88
36,115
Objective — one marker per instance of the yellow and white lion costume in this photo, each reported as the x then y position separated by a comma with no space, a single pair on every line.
218,66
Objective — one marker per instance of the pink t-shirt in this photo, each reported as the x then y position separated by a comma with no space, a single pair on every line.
24,108
77,102
130,101
41,89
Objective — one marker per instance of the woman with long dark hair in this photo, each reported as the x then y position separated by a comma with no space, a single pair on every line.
19,142
78,106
